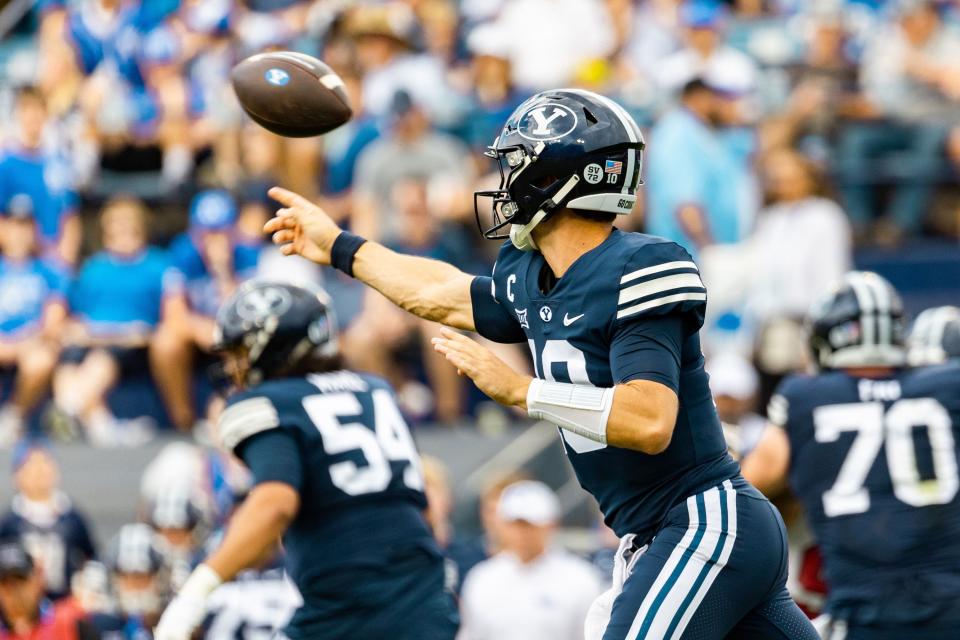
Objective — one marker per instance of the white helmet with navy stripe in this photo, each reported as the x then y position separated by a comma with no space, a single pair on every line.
173,509
561,148
135,551
934,337
859,323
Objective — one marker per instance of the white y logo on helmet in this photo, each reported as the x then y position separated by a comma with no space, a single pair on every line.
547,122
263,301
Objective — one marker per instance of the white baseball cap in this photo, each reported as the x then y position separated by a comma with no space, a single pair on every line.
530,501
732,375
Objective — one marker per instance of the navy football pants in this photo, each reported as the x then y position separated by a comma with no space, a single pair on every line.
716,570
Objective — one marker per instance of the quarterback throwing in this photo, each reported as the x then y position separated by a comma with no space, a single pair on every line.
612,322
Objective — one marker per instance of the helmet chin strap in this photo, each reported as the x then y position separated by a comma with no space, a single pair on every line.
521,234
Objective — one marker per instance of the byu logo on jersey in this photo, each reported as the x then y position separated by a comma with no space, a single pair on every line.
263,301
547,122
277,77
546,313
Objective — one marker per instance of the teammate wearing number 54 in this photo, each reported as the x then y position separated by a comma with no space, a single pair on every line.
612,322
335,474
870,449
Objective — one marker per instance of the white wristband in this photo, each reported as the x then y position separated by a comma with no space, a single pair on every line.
201,583
578,408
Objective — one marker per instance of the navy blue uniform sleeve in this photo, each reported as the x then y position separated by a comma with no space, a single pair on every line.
273,456
649,350
661,279
492,320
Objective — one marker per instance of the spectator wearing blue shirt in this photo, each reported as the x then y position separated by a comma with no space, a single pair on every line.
32,313
120,297
342,148
26,167
212,263
694,178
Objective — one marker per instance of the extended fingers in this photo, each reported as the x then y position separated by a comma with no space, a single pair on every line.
282,220
454,336
463,360
284,236
462,342
288,198
445,345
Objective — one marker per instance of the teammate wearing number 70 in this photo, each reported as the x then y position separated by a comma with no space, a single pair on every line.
335,474
870,449
612,322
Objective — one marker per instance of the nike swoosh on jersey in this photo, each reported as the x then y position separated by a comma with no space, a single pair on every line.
569,321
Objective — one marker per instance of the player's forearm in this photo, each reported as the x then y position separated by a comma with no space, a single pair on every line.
638,415
254,528
641,420
430,289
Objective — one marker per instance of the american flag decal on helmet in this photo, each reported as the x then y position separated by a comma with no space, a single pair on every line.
613,166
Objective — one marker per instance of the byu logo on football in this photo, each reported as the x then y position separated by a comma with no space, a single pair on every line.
546,313
277,77
547,122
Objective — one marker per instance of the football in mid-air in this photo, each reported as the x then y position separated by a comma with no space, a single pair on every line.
291,94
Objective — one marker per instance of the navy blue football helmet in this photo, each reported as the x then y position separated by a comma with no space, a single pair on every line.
935,337
561,148
859,323
279,324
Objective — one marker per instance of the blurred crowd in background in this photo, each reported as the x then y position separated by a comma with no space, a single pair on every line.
781,136
785,139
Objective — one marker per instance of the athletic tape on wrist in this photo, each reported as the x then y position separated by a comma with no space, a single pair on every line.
202,581
578,408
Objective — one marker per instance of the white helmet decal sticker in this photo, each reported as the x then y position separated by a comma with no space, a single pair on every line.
593,173
263,301
548,121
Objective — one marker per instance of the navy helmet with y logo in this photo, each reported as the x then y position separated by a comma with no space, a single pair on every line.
279,324
561,148
859,323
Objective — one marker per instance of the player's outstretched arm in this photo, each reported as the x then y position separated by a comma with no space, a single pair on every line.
427,288
253,530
